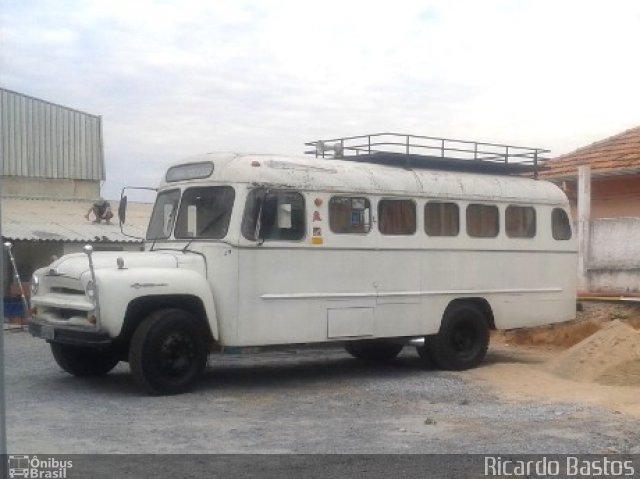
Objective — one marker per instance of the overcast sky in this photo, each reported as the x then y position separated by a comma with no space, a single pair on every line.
176,78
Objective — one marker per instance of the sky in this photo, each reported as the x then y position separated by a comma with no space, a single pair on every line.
172,79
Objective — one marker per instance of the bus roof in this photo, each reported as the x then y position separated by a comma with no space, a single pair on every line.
335,175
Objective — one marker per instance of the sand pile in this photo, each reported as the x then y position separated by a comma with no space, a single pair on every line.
592,318
610,356
562,335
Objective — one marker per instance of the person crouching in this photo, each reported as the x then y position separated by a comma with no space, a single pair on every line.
101,209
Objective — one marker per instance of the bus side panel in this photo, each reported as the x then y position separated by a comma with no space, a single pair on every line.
401,307
288,293
523,288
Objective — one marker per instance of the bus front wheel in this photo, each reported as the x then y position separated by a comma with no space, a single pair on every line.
462,341
168,352
82,361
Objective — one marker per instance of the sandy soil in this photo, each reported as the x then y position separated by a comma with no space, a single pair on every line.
518,364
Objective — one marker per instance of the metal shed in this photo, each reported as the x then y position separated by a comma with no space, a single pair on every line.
49,150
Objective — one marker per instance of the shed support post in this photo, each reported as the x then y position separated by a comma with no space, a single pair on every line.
584,226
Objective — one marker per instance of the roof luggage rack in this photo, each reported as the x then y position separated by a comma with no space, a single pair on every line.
414,151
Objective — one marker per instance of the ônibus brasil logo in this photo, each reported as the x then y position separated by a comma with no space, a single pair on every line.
32,467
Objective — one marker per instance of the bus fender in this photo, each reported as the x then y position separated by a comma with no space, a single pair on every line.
151,289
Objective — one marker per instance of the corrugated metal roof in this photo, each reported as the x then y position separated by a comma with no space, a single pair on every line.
52,220
616,155
41,139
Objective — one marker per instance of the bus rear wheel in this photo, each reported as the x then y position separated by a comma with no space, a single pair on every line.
373,350
168,352
82,361
462,341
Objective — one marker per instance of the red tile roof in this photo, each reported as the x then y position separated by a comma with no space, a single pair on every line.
618,154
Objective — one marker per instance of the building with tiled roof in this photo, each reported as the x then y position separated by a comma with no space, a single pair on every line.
615,174
608,220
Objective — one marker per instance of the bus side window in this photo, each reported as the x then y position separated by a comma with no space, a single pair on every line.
349,215
483,221
560,225
272,205
441,219
397,217
520,221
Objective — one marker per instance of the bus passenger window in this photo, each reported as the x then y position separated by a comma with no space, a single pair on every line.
441,219
269,205
560,226
349,215
397,217
483,221
520,222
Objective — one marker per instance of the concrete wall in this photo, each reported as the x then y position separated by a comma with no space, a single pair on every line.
614,255
615,197
611,197
49,188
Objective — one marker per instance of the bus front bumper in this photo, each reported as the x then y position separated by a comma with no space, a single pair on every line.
75,335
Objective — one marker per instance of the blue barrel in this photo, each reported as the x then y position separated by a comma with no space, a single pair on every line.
13,308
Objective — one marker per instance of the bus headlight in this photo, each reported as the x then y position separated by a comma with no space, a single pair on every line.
91,290
35,285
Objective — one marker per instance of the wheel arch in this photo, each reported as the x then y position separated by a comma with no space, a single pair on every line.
479,302
140,308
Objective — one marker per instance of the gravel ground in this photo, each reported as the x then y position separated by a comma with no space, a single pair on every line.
313,401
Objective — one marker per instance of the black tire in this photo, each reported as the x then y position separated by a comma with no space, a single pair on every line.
462,341
168,352
84,362
373,350
425,356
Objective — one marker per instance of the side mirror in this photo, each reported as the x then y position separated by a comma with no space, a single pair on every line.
122,210
284,216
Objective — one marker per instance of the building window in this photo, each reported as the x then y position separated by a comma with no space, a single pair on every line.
397,217
349,215
274,215
483,221
520,222
441,219
560,225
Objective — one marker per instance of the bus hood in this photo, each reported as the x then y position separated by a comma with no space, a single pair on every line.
74,265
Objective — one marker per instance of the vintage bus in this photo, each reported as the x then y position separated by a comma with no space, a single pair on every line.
246,250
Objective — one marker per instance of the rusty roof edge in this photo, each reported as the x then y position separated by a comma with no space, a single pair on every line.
594,173
595,144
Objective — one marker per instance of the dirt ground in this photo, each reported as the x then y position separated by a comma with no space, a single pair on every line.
519,368
322,401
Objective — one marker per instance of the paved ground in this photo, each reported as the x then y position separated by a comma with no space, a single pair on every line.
306,402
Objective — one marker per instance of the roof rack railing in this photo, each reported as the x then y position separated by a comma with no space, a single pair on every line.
431,152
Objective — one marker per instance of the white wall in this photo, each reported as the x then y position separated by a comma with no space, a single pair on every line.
614,255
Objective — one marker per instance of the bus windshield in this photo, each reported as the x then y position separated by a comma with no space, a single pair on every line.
164,215
204,212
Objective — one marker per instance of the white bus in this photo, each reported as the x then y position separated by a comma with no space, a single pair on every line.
259,250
